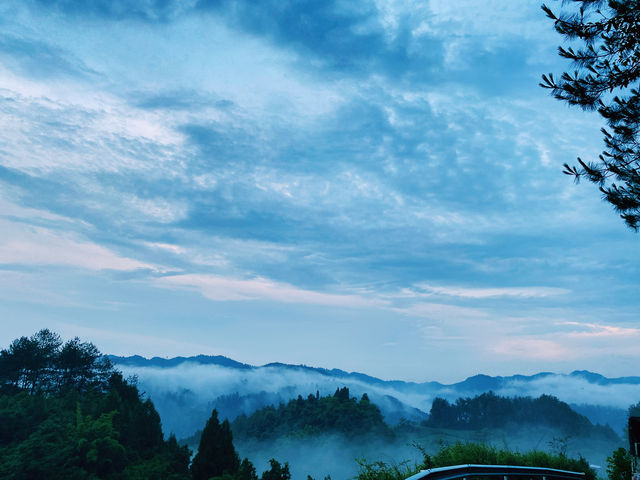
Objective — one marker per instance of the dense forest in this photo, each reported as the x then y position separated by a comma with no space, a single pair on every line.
345,415
66,413
492,411
337,413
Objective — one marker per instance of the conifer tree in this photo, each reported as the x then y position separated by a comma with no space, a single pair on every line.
246,471
277,471
605,78
216,454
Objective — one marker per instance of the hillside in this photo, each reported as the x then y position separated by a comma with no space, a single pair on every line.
342,414
338,413
490,411
188,388
66,413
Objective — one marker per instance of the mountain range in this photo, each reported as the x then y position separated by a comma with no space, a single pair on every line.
186,389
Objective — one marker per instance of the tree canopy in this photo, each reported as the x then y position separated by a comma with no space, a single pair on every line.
43,364
66,413
302,417
489,410
605,78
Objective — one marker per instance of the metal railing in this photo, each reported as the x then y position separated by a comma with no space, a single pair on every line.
504,471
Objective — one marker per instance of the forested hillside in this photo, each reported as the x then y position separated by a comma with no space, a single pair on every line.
337,413
341,414
492,411
66,413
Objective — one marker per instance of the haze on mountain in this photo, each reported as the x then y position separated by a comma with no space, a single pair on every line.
66,410
189,387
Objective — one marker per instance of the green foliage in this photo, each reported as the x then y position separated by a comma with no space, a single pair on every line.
276,471
338,413
619,465
605,78
61,418
473,453
246,471
384,471
216,454
492,411
43,364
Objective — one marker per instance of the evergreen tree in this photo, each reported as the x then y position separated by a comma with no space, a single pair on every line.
277,471
606,77
216,454
246,471
65,413
342,393
619,465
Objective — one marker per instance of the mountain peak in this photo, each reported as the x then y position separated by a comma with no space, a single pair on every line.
140,361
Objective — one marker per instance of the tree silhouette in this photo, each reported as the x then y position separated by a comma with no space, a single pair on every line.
606,75
277,471
216,454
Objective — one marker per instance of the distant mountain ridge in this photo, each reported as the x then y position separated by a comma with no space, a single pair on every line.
190,387
473,383
140,361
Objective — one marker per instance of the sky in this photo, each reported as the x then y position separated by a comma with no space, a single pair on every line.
373,186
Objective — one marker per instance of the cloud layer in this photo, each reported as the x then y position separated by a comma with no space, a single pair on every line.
386,174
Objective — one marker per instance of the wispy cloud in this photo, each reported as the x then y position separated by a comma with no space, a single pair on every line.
587,330
443,312
532,348
388,160
219,288
144,343
523,292
30,245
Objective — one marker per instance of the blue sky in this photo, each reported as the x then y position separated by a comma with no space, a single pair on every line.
375,186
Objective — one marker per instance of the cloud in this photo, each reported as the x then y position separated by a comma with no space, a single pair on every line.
221,289
388,157
41,60
531,348
178,100
11,211
575,390
592,330
145,10
443,312
330,36
143,343
82,134
339,37
31,245
479,293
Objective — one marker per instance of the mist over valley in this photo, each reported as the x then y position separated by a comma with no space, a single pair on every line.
186,390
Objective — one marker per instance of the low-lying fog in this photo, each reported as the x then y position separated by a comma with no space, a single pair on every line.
185,394
337,456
